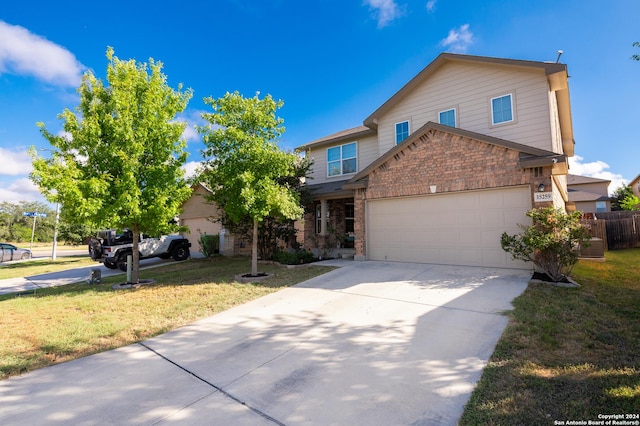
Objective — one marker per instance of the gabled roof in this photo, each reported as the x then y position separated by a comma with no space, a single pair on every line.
579,180
429,70
556,74
529,156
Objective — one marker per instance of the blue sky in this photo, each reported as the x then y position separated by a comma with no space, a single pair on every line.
332,62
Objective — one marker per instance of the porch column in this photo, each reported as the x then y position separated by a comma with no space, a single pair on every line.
323,218
359,225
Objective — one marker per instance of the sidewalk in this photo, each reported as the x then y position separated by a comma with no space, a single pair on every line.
69,276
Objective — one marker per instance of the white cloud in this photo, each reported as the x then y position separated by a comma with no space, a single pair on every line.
597,169
192,118
459,39
25,53
385,11
15,163
431,4
190,168
21,189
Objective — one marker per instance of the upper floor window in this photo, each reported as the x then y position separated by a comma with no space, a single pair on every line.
448,117
402,131
502,109
341,159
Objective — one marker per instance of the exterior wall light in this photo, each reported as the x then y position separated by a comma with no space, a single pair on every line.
541,187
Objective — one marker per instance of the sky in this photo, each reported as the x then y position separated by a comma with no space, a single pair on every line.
332,62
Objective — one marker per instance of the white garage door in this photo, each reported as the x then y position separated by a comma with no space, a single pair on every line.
452,229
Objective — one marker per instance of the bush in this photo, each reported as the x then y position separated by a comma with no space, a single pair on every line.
293,258
209,244
551,242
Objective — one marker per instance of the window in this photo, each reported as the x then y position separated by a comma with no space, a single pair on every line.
341,160
349,217
501,109
601,206
402,131
448,117
318,218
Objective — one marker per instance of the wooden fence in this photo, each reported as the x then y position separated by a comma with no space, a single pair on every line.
618,230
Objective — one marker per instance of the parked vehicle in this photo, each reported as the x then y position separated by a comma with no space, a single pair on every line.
112,249
10,252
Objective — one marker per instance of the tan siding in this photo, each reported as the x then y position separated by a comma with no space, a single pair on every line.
470,87
196,206
554,119
367,153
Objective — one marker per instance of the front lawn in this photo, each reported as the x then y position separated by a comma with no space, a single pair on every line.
568,354
63,323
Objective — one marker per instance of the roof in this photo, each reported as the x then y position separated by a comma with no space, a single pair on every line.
329,189
579,180
529,156
343,135
580,196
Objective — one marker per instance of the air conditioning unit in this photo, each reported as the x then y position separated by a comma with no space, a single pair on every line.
596,249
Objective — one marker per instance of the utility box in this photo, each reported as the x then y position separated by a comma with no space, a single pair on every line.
95,277
596,249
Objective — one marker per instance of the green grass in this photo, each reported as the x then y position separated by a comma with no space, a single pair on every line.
567,353
44,266
67,322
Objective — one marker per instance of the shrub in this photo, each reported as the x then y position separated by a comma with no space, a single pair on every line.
551,242
293,258
209,244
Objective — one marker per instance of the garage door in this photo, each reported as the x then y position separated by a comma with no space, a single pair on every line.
452,229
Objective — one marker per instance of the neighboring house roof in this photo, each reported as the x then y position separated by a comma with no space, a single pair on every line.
529,156
579,180
577,196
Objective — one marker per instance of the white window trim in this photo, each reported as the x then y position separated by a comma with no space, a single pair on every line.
455,114
395,132
326,157
512,97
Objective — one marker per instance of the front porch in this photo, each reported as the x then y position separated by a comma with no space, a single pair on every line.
329,228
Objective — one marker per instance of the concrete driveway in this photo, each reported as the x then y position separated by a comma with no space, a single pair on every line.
371,343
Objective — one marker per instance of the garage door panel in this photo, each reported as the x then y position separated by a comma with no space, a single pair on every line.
457,229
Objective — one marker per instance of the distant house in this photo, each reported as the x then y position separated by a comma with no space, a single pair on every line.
447,164
590,195
635,186
200,217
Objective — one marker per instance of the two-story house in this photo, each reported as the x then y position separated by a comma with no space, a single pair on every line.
441,169
589,195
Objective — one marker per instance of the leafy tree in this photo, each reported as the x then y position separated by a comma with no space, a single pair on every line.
245,168
550,242
272,229
636,57
630,202
618,196
119,163
17,228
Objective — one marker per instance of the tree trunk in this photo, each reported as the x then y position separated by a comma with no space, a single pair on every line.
135,266
254,249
